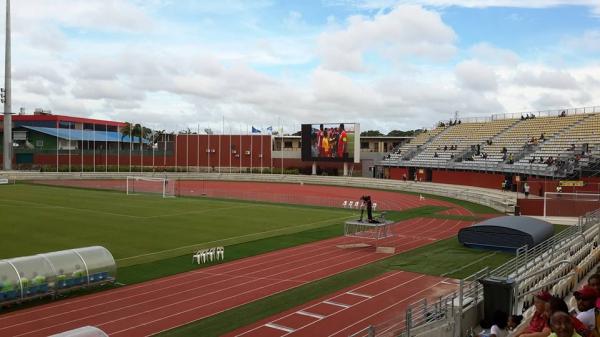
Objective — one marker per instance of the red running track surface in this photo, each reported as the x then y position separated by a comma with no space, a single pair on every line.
381,301
158,305
321,195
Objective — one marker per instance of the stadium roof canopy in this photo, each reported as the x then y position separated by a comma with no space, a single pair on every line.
85,135
506,233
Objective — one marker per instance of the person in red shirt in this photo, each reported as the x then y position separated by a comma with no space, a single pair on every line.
594,282
538,326
342,142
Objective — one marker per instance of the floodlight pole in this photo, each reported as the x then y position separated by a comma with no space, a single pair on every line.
6,97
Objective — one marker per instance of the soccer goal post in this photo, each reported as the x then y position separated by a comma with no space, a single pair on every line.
151,185
570,204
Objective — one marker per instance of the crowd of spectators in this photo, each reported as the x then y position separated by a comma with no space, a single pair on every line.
552,317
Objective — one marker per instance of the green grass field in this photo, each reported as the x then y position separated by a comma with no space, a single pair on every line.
39,219
152,237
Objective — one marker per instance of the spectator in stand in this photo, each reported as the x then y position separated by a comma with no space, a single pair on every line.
557,304
586,306
503,185
522,117
513,322
538,326
541,159
542,138
562,326
504,150
526,190
532,116
558,189
510,159
500,322
594,282
435,155
563,114
445,147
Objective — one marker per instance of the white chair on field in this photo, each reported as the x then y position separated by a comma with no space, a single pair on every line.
220,253
344,204
210,254
356,204
374,206
200,256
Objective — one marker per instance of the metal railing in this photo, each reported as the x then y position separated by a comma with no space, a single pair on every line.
540,113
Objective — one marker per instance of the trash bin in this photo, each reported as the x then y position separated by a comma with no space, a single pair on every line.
498,294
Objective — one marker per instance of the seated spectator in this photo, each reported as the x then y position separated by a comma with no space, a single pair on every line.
586,306
594,282
510,159
522,118
459,121
452,156
527,116
532,116
538,326
542,137
562,326
504,150
435,155
557,304
513,322
558,189
541,159
504,156
500,322
445,147
563,114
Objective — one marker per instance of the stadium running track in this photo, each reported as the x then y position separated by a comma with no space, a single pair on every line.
305,194
154,306
381,301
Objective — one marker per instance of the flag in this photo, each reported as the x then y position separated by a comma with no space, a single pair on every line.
270,129
255,130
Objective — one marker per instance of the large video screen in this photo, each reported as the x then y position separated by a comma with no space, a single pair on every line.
330,142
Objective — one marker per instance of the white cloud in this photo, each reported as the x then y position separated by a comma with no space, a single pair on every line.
554,79
376,4
405,31
492,54
476,76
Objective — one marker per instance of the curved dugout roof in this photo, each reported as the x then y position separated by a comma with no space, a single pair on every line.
506,233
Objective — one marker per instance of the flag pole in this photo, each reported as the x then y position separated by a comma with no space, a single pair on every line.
82,124
94,146
130,143
141,148
106,147
56,126
198,148
69,146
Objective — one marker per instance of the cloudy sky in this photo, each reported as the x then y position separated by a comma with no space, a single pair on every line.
387,64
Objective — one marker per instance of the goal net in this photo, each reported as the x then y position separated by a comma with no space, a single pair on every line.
570,204
150,185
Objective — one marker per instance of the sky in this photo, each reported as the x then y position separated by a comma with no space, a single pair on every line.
231,64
